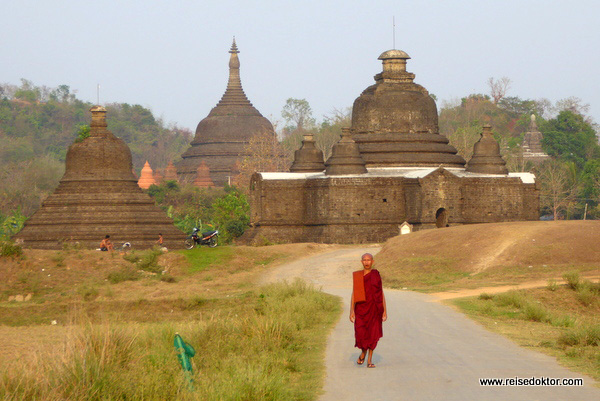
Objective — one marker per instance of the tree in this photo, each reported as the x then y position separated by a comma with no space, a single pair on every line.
263,153
570,138
559,187
298,114
498,88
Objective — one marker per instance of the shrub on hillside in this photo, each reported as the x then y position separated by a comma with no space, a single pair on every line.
9,248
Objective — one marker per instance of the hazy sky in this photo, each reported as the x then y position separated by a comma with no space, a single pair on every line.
172,56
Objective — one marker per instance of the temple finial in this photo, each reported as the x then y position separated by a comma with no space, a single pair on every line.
234,48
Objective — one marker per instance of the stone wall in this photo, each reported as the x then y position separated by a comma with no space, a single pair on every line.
367,208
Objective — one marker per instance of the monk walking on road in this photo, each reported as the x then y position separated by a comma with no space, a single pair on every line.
367,309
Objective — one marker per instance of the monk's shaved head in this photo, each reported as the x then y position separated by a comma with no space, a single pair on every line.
367,254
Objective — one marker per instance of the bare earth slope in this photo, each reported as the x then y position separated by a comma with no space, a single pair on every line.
500,253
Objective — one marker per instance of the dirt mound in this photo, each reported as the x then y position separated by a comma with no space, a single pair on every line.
443,255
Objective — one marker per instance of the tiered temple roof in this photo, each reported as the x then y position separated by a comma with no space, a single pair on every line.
395,121
98,195
222,137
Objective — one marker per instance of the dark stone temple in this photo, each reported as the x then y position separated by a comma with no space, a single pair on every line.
532,144
392,166
222,137
99,195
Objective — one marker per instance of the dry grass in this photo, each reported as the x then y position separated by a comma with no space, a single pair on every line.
477,255
551,320
208,289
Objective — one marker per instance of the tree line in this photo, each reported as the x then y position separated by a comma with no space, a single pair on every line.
37,124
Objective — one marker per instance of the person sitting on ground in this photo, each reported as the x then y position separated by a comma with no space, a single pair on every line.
106,245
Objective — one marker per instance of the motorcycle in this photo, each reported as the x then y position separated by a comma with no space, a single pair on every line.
209,238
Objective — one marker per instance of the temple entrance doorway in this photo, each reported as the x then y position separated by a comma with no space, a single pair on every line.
441,218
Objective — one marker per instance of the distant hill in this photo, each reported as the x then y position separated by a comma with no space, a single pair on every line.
38,124
495,253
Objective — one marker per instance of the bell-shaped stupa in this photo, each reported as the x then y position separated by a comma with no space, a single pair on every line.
486,157
146,177
395,121
203,179
171,172
222,137
308,158
99,195
345,157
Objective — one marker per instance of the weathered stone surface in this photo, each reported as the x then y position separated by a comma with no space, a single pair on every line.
412,176
308,158
202,179
395,121
486,157
98,195
171,172
222,137
345,157
532,144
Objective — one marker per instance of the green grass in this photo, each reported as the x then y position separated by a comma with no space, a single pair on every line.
10,249
271,348
560,320
203,258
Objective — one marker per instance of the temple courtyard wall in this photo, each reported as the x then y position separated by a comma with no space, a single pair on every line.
314,207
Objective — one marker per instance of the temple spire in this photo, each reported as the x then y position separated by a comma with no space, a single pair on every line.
234,94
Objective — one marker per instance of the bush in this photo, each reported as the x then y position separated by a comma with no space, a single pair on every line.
569,338
591,335
552,285
572,280
511,298
563,321
585,295
485,296
536,312
149,261
8,248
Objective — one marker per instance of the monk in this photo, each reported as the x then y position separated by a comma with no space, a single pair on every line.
367,309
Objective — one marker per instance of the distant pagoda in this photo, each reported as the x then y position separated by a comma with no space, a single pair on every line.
532,144
99,195
222,137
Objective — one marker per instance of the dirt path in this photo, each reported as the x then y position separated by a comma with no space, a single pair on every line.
429,351
472,292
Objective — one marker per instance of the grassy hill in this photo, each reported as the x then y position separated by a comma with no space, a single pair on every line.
471,256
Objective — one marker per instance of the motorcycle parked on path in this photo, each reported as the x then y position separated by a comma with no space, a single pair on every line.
209,238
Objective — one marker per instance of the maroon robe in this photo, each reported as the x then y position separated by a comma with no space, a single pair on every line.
368,327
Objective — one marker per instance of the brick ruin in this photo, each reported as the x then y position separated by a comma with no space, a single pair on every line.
391,167
222,137
99,195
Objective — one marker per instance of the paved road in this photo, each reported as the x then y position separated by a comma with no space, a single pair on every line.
428,352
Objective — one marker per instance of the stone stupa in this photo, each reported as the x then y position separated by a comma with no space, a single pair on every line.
308,158
395,121
146,177
203,179
532,144
222,137
99,195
